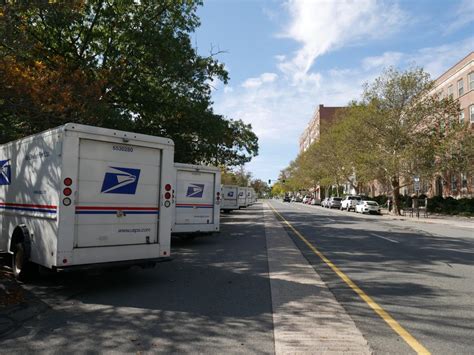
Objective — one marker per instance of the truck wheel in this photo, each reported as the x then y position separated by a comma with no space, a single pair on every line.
23,269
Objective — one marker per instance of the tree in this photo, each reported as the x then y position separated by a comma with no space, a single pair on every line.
399,126
124,64
238,176
260,187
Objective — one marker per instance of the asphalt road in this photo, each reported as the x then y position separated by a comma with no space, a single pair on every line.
421,274
214,297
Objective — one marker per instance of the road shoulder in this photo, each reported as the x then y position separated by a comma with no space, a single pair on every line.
306,316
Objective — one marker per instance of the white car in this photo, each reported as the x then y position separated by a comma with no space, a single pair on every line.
350,202
365,206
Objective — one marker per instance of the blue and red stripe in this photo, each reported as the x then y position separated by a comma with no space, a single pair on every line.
26,207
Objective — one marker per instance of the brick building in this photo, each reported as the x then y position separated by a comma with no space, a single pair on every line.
322,118
457,82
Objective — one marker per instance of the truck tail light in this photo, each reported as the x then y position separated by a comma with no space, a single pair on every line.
67,191
168,187
68,181
167,195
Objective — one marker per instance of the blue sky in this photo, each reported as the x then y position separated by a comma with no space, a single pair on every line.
287,57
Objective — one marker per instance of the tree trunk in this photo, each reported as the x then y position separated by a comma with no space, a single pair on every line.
396,195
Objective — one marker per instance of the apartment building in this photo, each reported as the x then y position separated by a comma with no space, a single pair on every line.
457,82
322,118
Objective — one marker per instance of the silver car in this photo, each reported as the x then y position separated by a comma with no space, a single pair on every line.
334,202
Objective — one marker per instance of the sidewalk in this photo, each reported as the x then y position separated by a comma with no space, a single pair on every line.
455,221
307,317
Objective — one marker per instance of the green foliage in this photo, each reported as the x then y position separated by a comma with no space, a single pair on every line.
449,205
124,64
260,187
238,177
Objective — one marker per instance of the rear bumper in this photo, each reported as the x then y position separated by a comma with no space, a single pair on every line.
113,264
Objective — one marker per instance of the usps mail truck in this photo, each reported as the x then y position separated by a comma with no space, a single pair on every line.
81,197
242,197
230,198
249,199
198,198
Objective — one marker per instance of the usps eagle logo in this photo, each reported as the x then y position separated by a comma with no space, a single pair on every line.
120,181
5,172
195,190
230,194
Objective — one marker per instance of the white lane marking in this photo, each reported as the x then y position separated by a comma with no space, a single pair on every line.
330,219
390,240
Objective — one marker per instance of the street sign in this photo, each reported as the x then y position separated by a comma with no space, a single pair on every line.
416,183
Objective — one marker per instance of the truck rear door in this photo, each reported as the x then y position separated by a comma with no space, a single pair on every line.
230,196
117,201
195,197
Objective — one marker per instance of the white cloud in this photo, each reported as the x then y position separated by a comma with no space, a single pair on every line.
256,82
434,60
385,60
323,25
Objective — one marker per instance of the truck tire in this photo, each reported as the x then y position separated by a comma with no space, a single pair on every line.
23,269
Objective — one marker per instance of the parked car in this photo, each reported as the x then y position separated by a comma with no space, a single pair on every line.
334,202
324,202
350,202
286,199
365,206
306,199
315,202
298,199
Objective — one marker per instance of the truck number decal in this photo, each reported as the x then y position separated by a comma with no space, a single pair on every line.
123,148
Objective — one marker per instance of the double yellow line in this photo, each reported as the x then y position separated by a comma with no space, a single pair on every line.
402,332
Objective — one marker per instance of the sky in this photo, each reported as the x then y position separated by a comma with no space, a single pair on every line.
287,57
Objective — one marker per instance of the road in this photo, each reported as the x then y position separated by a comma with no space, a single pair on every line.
256,288
422,275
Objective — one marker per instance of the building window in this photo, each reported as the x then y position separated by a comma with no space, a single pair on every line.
461,116
460,87
470,79
450,91
464,180
471,113
454,183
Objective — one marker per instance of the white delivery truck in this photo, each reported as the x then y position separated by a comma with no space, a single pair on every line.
242,196
230,198
198,198
81,197
254,195
249,199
